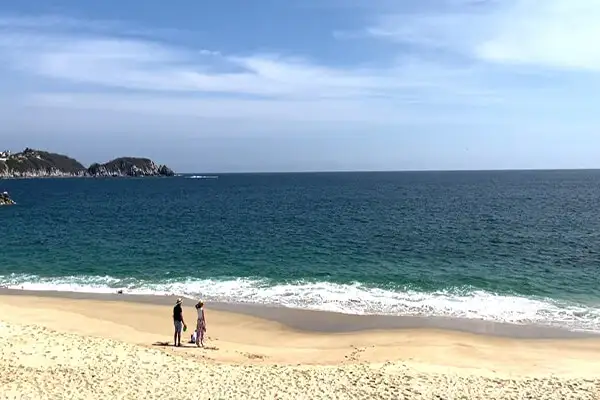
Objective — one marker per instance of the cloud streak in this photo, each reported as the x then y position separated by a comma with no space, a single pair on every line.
538,33
147,65
117,61
102,65
553,33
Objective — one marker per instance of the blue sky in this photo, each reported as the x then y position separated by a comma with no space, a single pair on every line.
274,85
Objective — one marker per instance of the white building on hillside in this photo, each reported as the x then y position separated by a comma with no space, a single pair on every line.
4,155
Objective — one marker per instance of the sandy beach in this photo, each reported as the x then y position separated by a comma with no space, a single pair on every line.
60,347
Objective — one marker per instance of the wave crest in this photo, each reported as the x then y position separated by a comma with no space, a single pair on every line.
345,298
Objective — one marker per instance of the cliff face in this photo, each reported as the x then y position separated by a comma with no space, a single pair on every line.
41,164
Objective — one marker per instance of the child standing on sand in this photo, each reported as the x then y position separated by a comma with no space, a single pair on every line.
200,324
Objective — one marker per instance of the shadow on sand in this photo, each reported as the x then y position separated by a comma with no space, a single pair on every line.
184,345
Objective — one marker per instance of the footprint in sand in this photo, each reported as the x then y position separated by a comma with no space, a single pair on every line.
253,356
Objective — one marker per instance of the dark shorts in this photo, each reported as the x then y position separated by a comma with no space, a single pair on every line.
178,326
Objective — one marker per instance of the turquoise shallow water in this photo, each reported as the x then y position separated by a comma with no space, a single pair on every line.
518,247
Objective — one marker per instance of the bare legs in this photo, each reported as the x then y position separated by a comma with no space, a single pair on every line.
199,335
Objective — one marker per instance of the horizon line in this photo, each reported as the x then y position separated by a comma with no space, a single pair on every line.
387,171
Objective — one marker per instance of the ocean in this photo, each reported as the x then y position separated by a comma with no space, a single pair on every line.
509,246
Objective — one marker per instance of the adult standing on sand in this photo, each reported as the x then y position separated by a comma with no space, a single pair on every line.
178,322
200,324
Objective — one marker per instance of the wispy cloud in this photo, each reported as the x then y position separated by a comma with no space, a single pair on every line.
543,33
102,65
147,65
553,33
114,60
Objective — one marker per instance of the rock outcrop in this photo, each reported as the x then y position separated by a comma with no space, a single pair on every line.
129,166
41,164
5,199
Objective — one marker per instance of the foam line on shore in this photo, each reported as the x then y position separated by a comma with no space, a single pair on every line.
356,298
332,322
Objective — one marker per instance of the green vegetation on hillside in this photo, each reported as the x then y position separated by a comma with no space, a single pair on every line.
43,161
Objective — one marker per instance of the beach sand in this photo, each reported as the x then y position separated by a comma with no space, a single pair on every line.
60,347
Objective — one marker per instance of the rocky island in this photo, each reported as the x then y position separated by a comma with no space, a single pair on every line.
129,166
5,199
32,163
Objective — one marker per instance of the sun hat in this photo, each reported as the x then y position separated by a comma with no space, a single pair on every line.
179,301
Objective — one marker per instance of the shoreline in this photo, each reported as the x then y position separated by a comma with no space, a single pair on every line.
78,348
330,322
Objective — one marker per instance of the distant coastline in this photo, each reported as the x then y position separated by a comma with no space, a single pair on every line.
31,163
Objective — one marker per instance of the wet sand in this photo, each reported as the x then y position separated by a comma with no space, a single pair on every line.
333,322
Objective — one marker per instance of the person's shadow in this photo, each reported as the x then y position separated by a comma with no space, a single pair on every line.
184,345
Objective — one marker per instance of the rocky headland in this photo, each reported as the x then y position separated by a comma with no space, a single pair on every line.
32,163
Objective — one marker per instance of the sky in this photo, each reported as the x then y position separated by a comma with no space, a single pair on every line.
305,85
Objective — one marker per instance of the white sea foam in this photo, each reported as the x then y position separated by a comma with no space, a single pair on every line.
350,299
203,177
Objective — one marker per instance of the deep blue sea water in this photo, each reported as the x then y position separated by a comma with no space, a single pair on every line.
520,247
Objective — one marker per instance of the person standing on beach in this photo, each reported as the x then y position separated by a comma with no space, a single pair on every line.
178,322
200,324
